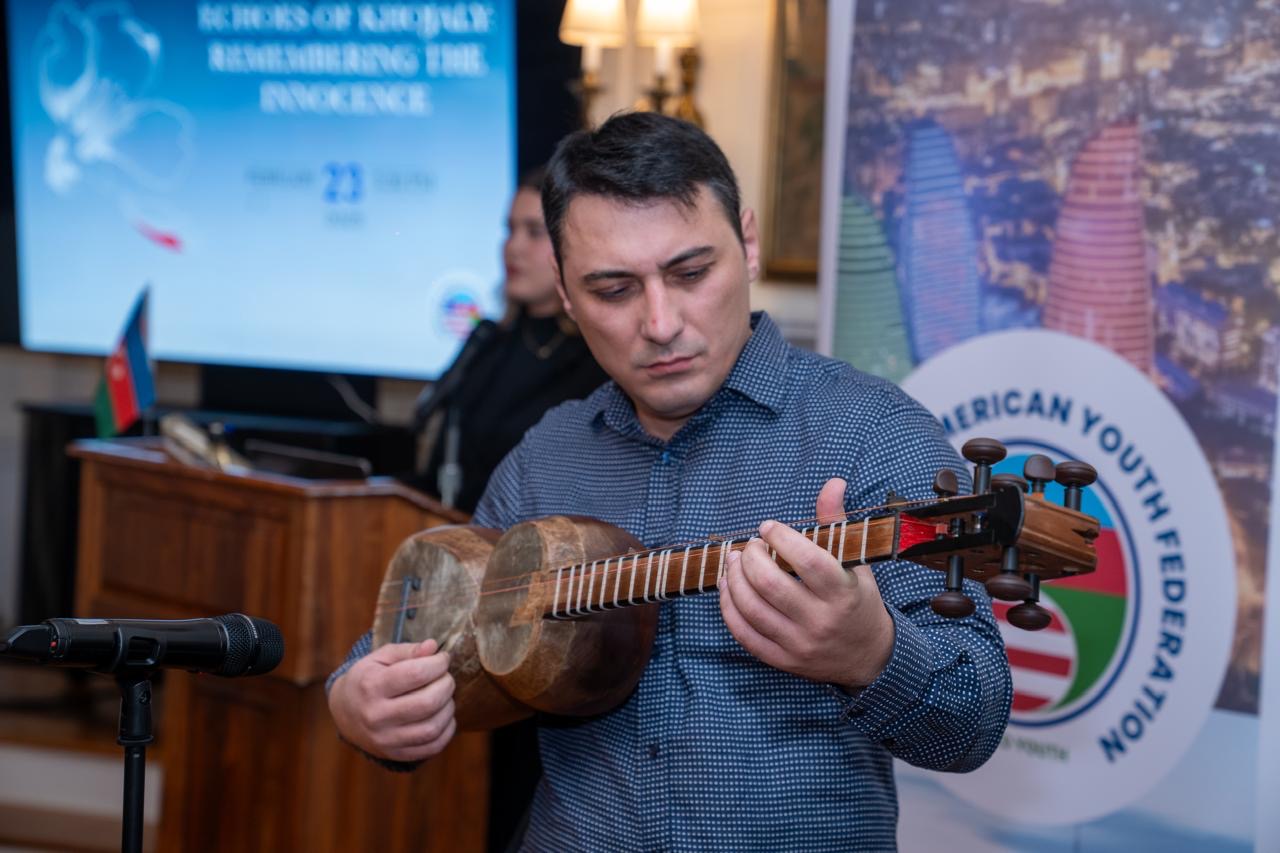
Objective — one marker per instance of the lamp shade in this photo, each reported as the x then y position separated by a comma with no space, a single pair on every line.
599,23
668,22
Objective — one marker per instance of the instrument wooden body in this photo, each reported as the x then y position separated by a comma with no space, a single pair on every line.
556,615
440,571
506,660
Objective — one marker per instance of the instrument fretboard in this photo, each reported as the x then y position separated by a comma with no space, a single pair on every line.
645,577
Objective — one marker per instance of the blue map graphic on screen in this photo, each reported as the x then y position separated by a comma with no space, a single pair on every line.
303,185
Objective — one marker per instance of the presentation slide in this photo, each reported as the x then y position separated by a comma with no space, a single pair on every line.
313,186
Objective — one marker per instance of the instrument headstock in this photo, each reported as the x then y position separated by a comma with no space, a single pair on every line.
1006,534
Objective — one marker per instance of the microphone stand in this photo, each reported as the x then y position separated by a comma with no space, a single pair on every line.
449,477
135,734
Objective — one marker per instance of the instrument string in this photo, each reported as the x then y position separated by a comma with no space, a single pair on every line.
546,575
721,538
518,583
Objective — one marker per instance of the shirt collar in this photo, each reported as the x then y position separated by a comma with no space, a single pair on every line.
759,375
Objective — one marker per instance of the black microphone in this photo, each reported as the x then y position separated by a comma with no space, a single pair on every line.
229,645
434,396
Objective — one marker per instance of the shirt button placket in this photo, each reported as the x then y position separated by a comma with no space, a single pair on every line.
658,684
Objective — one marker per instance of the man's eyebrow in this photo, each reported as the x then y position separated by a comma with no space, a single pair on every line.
605,275
686,255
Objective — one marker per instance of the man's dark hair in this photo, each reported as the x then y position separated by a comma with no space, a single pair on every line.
637,157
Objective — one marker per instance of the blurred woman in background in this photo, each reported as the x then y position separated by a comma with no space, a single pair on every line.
534,360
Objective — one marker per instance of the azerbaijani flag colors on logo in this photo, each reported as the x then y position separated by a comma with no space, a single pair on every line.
1056,669
126,388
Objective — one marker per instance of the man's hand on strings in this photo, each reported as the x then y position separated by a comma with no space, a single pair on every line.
833,627
397,701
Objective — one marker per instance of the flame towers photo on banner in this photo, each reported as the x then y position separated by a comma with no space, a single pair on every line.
1097,181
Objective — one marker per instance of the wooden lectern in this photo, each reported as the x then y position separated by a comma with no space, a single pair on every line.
255,763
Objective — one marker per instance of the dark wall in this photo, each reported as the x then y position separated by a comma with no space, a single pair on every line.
8,238
545,108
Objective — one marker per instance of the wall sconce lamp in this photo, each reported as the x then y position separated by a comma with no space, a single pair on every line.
666,25
593,25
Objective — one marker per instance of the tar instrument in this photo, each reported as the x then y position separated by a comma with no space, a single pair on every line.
556,615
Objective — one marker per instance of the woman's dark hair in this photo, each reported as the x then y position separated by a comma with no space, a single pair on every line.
637,157
533,179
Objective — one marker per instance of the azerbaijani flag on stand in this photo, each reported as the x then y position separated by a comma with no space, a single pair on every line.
126,388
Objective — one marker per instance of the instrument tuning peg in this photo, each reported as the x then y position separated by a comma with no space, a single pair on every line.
1009,480
953,603
1008,585
1075,476
1029,615
1039,471
983,453
945,484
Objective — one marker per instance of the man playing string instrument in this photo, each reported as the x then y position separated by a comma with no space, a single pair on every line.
767,716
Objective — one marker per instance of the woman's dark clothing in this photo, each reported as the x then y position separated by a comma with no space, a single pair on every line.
522,372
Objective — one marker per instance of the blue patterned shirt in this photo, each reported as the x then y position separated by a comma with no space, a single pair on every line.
714,749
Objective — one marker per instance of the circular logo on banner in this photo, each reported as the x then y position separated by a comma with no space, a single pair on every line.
1108,698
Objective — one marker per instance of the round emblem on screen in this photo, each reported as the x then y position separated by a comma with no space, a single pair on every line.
458,303
1108,698
459,314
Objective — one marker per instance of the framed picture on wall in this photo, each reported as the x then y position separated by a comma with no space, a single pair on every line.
795,144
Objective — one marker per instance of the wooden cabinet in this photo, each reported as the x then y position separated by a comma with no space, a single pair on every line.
256,763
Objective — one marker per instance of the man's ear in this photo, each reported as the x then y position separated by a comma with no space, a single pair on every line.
751,243
564,293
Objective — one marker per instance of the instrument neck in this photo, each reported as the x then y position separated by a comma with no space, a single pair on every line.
646,577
